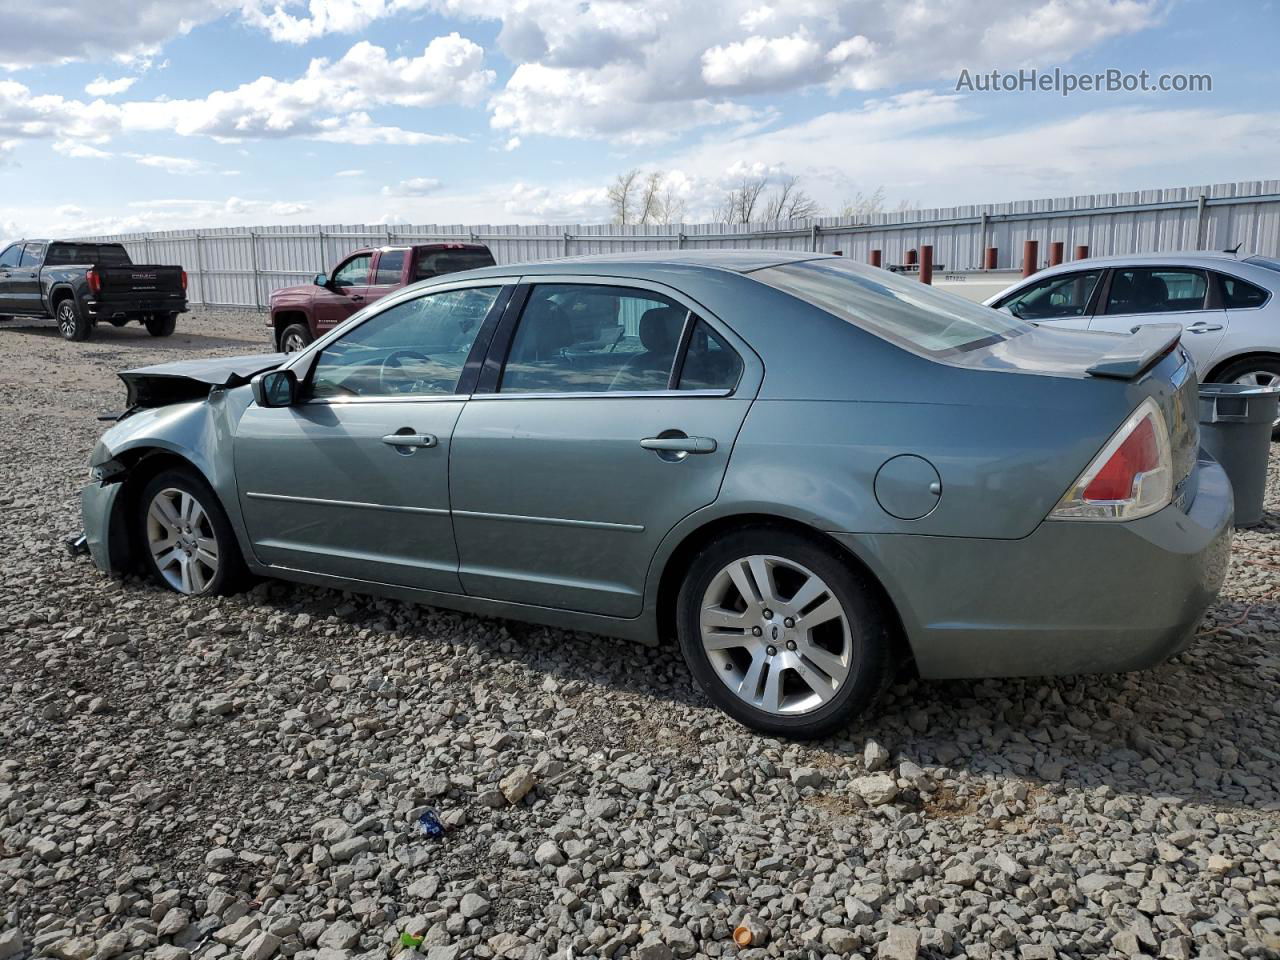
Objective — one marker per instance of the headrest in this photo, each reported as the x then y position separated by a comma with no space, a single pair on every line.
660,328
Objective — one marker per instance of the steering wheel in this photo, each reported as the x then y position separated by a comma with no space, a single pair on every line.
392,362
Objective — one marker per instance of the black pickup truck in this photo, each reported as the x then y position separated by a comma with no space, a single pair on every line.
80,284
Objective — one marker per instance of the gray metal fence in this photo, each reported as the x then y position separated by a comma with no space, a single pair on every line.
241,266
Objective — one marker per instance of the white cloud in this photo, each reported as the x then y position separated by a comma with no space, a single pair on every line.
80,151
413,187
761,62
60,31
557,204
349,173
513,143
167,164
102,87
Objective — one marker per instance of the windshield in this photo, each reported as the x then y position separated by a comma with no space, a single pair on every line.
1268,262
905,311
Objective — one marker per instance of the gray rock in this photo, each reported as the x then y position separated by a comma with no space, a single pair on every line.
900,943
516,784
339,935
877,789
473,905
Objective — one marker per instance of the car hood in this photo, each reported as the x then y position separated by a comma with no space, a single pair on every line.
184,380
302,291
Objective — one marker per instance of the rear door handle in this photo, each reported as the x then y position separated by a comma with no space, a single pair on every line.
680,444
1200,326
410,440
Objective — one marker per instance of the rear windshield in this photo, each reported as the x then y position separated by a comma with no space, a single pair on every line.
906,311
1269,262
98,254
433,263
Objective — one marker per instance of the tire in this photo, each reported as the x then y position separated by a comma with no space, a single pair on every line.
161,324
72,323
177,543
856,639
294,337
1259,371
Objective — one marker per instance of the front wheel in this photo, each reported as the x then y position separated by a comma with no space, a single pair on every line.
294,337
161,324
782,634
72,323
188,543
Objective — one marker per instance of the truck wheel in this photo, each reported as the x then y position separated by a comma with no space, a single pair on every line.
72,324
161,324
294,337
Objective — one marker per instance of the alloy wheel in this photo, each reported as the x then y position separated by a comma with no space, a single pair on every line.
66,318
181,539
293,342
775,634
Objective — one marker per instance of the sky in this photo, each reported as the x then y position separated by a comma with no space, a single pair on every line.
170,114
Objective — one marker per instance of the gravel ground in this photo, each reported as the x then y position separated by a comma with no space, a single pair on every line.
242,777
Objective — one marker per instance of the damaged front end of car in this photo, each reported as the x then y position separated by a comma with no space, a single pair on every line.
176,414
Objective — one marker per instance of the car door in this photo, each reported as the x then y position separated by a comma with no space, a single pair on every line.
353,480
1136,296
10,257
388,274
1060,300
26,280
346,292
583,447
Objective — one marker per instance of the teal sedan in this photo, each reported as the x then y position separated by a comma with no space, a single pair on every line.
807,472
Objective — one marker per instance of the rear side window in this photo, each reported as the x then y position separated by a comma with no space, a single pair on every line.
390,267
1052,298
98,254
11,255
434,263
1156,290
903,311
1239,294
709,363
33,255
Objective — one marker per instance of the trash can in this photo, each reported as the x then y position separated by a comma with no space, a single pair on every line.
1236,421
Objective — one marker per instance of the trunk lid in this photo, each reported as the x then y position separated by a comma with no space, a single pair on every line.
144,280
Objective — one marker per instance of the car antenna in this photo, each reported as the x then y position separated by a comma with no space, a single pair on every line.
1235,249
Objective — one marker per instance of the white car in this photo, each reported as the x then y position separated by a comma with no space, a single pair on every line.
1226,304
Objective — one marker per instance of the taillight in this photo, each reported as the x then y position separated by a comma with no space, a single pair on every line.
1131,477
184,280
94,280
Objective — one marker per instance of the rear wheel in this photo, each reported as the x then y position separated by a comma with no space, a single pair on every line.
188,544
782,634
72,323
161,324
1254,372
294,337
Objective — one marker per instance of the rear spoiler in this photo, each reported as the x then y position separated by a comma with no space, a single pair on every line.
1137,352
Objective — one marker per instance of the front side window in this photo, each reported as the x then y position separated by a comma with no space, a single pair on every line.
413,349
906,312
353,273
1239,294
390,267
585,338
33,255
1051,298
11,255
1156,290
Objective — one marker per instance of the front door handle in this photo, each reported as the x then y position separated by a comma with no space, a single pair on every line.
1200,326
357,298
680,444
410,440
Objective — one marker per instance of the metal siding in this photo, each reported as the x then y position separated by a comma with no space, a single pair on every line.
221,262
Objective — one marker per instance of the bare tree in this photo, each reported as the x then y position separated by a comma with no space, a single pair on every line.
740,203
866,205
650,194
668,207
790,202
622,196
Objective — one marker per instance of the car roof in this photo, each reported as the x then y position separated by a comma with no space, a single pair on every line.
1190,258
646,261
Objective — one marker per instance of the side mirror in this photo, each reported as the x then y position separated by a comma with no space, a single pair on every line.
275,388
321,280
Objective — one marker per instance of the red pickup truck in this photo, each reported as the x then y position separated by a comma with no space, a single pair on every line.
300,314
